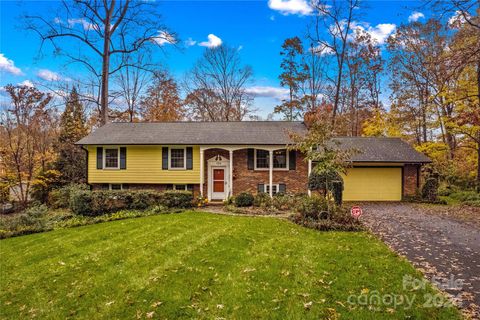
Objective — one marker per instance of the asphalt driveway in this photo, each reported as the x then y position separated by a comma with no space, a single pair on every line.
445,249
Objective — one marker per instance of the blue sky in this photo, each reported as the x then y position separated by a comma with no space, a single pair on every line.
257,28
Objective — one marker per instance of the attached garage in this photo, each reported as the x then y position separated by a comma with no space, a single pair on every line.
373,184
383,169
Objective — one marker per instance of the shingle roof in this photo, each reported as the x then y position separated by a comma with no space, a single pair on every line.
369,149
373,149
235,133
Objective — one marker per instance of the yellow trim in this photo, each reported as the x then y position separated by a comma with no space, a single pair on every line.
373,184
144,165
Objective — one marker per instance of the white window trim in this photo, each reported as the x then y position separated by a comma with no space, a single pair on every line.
184,189
110,186
277,188
105,158
184,158
274,169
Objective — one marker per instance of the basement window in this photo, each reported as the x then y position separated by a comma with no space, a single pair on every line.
115,186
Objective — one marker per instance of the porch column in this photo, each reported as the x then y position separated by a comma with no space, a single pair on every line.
309,172
270,171
201,171
230,174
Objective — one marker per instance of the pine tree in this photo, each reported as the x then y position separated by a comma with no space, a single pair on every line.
71,161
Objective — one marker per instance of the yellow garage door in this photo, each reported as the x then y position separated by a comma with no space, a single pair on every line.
373,184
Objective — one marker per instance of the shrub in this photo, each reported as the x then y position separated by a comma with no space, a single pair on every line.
338,220
313,208
60,197
244,199
31,220
284,201
45,182
327,181
94,203
430,189
176,199
262,200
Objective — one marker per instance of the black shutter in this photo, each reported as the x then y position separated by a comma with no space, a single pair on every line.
282,188
99,158
123,158
250,159
292,160
260,188
165,158
189,158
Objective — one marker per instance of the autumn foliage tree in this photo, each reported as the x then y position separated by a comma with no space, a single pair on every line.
161,101
25,123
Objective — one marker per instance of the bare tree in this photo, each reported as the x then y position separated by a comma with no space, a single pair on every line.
108,30
131,81
313,85
333,21
220,74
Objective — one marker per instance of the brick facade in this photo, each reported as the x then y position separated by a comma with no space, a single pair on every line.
248,180
410,179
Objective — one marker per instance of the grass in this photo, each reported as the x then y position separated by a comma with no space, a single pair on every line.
201,265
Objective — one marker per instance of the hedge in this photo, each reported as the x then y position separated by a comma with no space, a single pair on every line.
94,203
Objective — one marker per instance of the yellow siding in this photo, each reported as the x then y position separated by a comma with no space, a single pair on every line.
373,184
144,165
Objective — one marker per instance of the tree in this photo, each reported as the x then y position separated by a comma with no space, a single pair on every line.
22,123
332,25
108,30
294,73
71,160
220,75
161,101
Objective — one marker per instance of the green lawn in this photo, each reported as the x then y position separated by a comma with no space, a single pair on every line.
200,265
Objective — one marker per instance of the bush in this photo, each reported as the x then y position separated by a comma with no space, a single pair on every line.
337,220
94,203
262,200
31,220
313,208
60,197
430,190
284,201
244,199
45,182
327,181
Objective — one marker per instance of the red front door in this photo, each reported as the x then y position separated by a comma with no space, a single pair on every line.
218,180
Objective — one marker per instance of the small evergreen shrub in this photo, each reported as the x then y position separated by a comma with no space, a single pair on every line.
313,208
60,198
176,199
327,181
244,199
262,200
430,190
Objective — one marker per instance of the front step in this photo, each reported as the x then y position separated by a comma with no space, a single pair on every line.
215,203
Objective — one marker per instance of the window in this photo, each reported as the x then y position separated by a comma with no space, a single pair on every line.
280,159
275,188
182,187
115,186
262,159
112,158
177,158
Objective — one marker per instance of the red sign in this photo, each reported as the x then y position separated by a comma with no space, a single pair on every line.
356,212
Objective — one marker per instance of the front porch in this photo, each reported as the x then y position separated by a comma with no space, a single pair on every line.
226,171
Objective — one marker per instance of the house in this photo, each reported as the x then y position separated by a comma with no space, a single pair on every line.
218,159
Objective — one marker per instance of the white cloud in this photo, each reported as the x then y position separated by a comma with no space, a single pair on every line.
8,65
72,22
457,19
272,18
27,83
321,50
415,16
213,41
164,37
268,92
190,42
286,7
48,75
379,33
